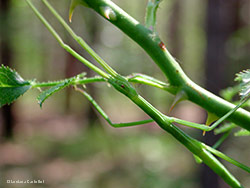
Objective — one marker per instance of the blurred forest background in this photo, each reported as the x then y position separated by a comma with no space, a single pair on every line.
68,144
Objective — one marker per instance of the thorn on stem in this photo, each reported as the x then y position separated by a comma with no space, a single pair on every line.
178,98
70,17
108,13
73,5
210,119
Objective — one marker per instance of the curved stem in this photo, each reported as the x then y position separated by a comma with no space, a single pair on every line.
196,147
193,145
148,80
137,79
155,48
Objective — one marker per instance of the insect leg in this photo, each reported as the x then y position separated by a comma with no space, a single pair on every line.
105,116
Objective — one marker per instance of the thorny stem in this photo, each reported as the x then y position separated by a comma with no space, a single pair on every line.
113,72
138,79
156,49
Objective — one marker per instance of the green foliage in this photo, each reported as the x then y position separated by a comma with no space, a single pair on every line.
58,87
244,91
244,78
243,88
12,85
47,93
177,78
242,132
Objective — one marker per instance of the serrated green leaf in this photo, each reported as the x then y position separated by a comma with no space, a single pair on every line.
12,85
47,93
242,132
243,76
244,79
10,78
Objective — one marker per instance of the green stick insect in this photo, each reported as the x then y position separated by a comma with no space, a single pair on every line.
123,84
119,82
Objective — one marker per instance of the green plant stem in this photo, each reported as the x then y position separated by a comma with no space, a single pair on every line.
154,47
148,80
66,47
122,85
109,69
154,113
143,79
193,145
138,79
80,41
76,82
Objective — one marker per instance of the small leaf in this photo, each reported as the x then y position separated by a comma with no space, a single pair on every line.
242,132
47,93
12,85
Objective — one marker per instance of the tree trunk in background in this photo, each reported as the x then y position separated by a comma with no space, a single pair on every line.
6,56
174,38
94,39
221,22
72,69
